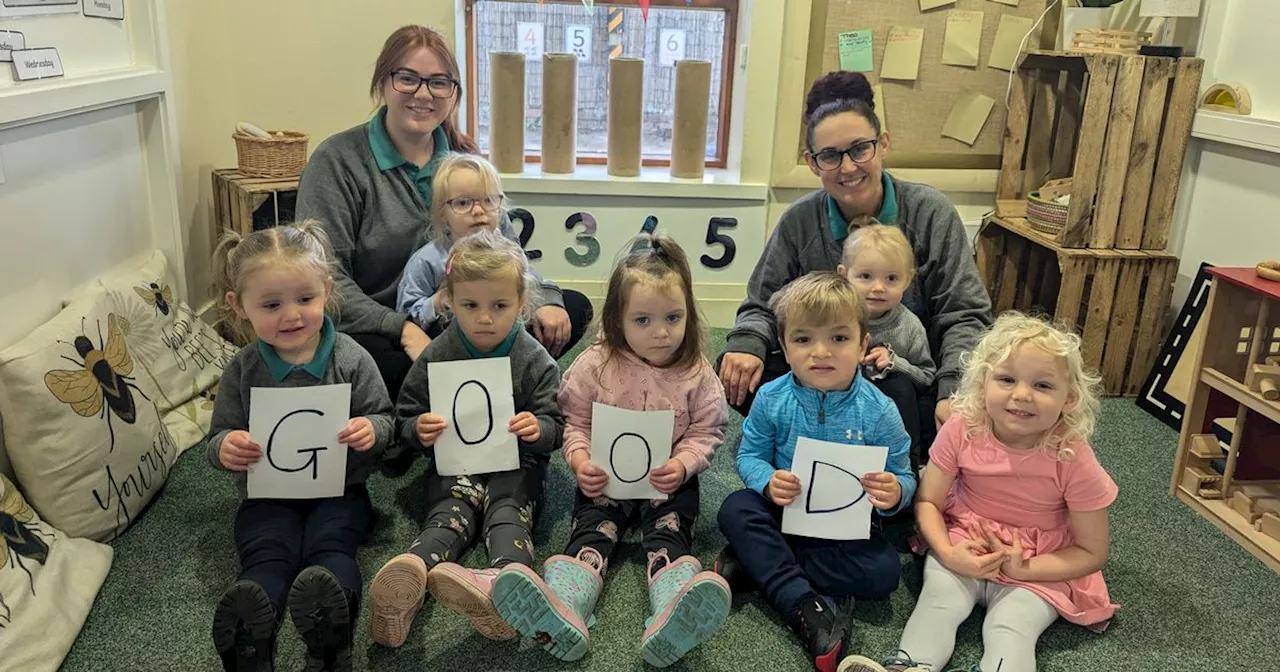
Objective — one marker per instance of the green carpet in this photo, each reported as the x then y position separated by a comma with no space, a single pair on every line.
1192,599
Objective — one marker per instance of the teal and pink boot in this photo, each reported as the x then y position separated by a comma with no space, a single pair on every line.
554,611
689,606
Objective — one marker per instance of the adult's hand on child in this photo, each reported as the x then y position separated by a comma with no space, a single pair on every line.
883,488
941,412
669,477
972,558
413,339
552,328
783,488
740,372
591,478
358,434
525,425
879,357
238,452
429,427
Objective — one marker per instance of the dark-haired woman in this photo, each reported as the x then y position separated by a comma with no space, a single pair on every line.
846,150
371,188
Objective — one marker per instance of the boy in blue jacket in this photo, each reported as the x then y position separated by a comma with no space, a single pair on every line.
823,323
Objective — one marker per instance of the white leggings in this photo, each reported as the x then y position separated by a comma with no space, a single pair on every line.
1015,619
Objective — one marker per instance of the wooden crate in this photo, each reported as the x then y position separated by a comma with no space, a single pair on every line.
1115,299
246,204
1118,125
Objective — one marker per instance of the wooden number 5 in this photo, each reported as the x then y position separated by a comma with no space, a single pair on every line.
714,236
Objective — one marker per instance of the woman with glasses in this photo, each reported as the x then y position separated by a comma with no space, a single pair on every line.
371,188
846,149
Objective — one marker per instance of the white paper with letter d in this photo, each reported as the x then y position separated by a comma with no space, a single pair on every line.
832,503
628,445
297,428
474,396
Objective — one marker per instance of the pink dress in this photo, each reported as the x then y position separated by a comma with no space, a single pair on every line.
1027,491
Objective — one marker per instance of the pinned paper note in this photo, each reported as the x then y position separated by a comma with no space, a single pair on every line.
877,93
1157,8
832,503
902,53
926,5
1011,3
855,51
297,429
474,396
628,446
10,40
964,38
1009,35
968,115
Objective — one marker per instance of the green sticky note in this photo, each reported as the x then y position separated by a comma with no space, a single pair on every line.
855,51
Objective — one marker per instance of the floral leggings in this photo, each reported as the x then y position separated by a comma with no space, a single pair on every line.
666,525
502,506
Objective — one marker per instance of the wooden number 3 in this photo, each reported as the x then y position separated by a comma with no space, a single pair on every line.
587,237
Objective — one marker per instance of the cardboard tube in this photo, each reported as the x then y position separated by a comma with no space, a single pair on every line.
559,112
689,124
506,111
626,100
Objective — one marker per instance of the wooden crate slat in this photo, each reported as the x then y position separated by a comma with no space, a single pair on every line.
1142,152
1093,131
1015,136
990,247
1124,319
237,197
1069,109
1014,259
1074,272
1029,291
1173,149
1098,316
1040,130
1115,159
1155,302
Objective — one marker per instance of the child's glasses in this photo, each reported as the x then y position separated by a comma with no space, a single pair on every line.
463,204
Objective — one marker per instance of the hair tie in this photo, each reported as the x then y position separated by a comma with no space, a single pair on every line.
448,265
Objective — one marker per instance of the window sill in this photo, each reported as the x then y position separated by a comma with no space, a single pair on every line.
717,184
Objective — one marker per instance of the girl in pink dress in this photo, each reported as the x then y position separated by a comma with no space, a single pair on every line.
1013,505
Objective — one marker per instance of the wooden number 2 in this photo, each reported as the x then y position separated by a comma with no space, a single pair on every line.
526,231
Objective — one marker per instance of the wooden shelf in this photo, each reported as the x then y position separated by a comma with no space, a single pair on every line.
1220,513
1237,391
29,102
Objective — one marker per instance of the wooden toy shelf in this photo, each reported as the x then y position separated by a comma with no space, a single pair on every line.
1236,487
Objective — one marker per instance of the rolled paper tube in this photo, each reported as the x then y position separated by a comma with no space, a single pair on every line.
689,133
506,111
626,97
1268,388
559,112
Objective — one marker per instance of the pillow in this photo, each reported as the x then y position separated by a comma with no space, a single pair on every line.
48,582
80,397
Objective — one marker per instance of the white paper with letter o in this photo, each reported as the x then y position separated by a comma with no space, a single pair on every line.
628,445
297,428
832,503
475,397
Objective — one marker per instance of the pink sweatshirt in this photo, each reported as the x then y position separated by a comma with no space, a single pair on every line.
695,395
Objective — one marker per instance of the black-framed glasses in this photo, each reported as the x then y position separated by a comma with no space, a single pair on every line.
408,82
860,152
463,204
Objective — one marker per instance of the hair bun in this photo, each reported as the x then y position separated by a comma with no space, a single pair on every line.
839,85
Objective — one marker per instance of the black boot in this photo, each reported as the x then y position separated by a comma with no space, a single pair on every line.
823,629
323,617
244,629
730,569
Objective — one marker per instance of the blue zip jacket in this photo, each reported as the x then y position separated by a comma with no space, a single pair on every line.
784,411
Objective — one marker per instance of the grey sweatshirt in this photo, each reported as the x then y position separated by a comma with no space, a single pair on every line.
375,220
947,294
535,382
901,331
349,363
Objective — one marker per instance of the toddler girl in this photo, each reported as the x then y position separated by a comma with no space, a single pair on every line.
488,287
649,355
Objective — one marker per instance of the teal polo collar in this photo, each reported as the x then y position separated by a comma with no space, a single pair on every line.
386,154
503,349
888,209
281,369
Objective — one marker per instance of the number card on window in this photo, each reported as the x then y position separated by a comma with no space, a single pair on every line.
628,445
670,47
832,503
529,40
297,429
577,41
474,396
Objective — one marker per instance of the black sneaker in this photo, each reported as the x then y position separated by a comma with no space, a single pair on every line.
821,627
323,617
244,629
730,569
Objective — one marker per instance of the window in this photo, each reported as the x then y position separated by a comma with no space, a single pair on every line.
676,29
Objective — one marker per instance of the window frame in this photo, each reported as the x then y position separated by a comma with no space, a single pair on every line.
730,8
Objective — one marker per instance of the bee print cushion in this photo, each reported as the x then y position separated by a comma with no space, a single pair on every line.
82,419
48,582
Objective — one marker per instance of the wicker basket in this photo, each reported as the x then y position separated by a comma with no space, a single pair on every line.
1045,216
281,155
